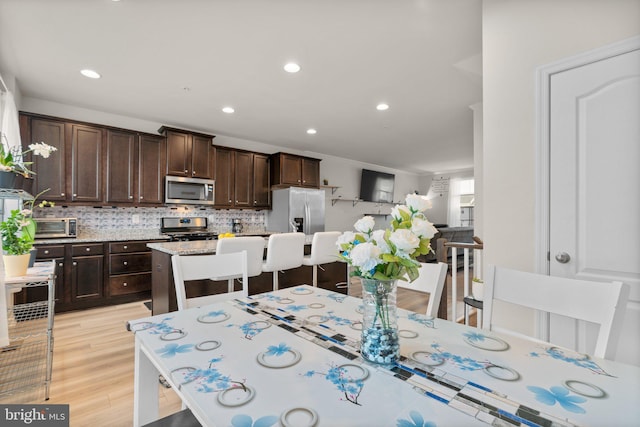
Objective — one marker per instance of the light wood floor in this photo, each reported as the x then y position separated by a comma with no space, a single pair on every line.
93,362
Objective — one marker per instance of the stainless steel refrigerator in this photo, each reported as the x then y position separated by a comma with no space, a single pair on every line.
299,209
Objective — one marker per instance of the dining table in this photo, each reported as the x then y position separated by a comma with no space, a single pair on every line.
291,358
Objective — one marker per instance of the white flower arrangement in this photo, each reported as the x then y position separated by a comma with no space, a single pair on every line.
390,254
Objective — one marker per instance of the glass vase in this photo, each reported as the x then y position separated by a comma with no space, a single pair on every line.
379,341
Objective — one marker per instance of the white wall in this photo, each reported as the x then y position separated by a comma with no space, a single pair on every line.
519,37
339,172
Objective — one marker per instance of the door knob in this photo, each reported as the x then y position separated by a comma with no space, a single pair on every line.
563,257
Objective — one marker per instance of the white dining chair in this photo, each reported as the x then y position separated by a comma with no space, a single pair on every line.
602,303
203,267
284,252
431,280
254,245
323,251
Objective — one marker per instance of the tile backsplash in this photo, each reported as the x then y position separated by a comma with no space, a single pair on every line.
95,220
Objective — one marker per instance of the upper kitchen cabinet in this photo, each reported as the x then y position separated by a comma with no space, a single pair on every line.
242,179
152,161
50,172
261,181
290,170
73,173
252,183
135,167
121,166
86,162
188,153
224,164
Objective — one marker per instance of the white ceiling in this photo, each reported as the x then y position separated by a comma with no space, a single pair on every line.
422,57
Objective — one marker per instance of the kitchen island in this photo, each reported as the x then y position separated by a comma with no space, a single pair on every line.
162,287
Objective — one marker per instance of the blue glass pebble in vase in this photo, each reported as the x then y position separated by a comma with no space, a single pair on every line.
379,341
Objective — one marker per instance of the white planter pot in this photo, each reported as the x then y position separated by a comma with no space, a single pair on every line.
477,290
15,265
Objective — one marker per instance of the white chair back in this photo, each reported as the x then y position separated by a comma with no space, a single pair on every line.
284,251
254,246
323,251
603,303
431,280
200,267
323,248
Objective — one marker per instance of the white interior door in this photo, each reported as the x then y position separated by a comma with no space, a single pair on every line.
594,188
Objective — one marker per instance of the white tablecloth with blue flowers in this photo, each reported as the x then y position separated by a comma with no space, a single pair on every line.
290,358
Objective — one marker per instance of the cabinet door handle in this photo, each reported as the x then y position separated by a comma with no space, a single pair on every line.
124,284
75,195
125,263
186,171
125,246
141,197
60,265
46,251
193,173
62,194
130,197
75,263
88,249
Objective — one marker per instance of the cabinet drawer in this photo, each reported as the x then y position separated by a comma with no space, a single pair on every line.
129,263
130,284
46,252
88,249
125,247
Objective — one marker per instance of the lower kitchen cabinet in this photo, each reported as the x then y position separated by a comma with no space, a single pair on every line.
96,274
129,268
87,270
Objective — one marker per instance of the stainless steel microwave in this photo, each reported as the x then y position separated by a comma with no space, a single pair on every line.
193,191
56,228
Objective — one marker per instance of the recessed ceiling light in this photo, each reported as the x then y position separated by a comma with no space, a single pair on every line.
90,73
312,131
292,67
228,110
382,107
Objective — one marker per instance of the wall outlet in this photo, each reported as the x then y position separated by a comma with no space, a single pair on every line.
135,219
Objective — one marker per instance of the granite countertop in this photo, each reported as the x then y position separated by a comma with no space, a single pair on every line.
116,235
199,247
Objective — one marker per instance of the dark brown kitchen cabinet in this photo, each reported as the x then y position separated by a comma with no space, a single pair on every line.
86,163
121,166
151,166
50,172
87,270
129,268
135,168
243,179
261,181
188,154
224,177
290,170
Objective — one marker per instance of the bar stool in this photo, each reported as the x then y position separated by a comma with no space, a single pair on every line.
284,252
254,246
323,251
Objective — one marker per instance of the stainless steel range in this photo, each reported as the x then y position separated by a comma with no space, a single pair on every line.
184,229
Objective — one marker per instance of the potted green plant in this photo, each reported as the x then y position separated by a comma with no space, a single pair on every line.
18,234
